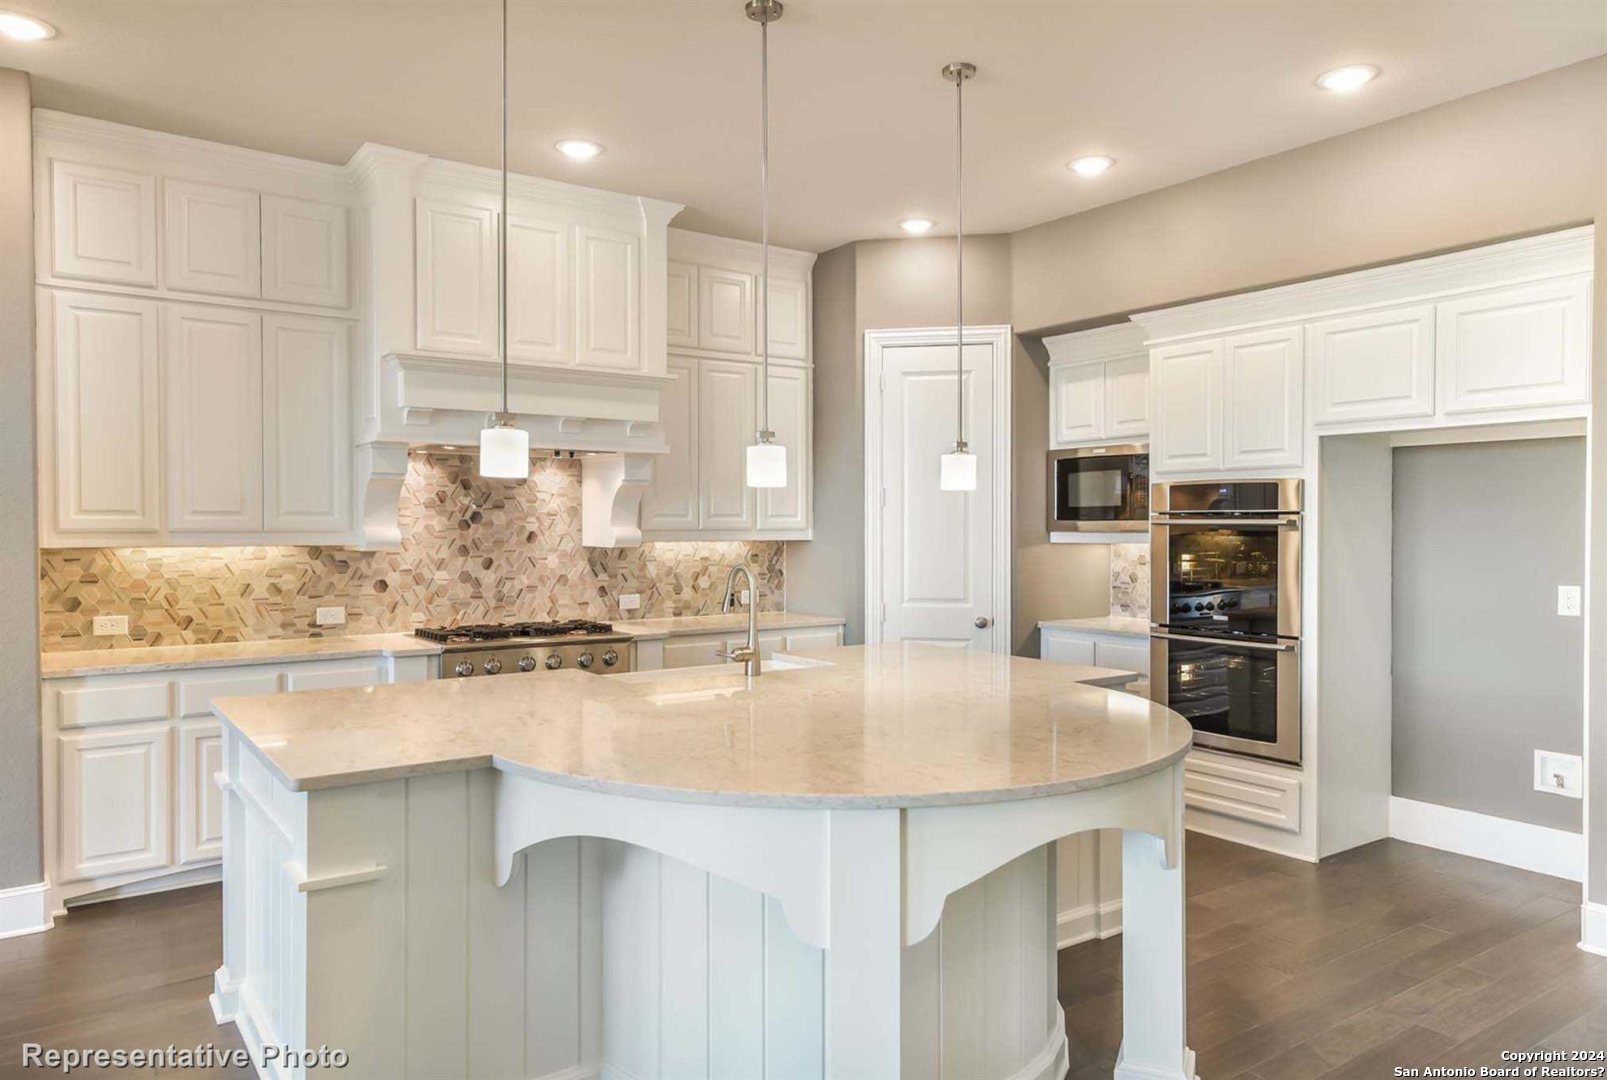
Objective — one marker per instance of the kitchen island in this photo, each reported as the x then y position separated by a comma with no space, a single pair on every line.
842,868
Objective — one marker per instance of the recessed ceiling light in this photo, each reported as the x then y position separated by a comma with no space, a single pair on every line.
578,149
1348,79
1091,166
19,27
915,226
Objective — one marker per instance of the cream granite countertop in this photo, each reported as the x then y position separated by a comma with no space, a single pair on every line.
1104,624
61,665
714,624
876,726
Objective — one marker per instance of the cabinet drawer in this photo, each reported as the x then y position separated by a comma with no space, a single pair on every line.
92,705
1066,648
196,694
1127,656
693,651
334,677
1264,797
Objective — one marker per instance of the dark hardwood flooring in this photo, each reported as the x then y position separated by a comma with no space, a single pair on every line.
1387,955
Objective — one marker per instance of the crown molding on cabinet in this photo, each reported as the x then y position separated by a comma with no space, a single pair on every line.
1548,255
1102,343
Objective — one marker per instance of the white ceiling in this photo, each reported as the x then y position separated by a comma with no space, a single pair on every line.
862,123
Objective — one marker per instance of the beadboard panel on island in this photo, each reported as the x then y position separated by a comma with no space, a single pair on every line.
473,550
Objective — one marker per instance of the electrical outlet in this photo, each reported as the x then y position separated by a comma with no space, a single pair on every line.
747,597
630,601
330,616
1568,600
1559,774
111,625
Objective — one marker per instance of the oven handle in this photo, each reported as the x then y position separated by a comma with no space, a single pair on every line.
1289,522
1285,646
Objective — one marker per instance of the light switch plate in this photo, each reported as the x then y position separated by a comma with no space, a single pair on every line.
1569,600
111,625
1559,774
630,601
330,616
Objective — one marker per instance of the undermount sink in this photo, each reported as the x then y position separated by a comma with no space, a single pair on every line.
778,662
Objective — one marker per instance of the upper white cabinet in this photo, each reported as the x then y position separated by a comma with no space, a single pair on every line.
1262,389
680,301
671,501
457,278
1375,365
787,322
539,283
1098,386
1186,417
213,406
725,310
1076,403
213,241
305,252
788,507
1127,397
306,417
725,428
103,224
714,303
1516,347
606,275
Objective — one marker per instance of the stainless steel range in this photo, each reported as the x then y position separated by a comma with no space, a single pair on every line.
510,648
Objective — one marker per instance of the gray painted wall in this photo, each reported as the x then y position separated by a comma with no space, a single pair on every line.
21,862
1485,670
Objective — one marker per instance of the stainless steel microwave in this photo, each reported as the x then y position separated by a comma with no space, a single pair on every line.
1099,489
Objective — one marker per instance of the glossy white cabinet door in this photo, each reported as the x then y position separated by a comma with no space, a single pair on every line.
456,267
539,304
1512,348
1263,391
682,652
725,397
305,252
213,404
671,502
1187,416
103,224
725,310
1376,365
1126,656
307,449
107,414
200,801
1127,397
1065,649
788,507
788,321
214,239
1077,403
681,303
115,800
606,272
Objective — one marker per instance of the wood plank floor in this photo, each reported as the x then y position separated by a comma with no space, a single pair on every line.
1387,955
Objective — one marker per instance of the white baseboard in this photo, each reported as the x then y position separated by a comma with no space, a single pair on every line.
1512,843
1593,928
25,910
1079,924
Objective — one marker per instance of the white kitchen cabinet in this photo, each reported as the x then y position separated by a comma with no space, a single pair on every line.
213,239
790,399
1374,365
725,401
456,278
213,406
200,800
1186,418
608,299
816,637
1125,652
116,796
681,304
671,501
725,313
306,440
1262,399
1127,397
539,297
305,256
700,650
1077,403
103,224
107,416
787,320
1515,347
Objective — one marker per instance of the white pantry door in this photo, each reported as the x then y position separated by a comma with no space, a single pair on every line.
938,561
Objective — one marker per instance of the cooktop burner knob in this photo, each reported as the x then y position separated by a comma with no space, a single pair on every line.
493,666
527,663
554,661
465,667
584,660
610,658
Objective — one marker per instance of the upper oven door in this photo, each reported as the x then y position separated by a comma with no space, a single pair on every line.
1239,576
1099,489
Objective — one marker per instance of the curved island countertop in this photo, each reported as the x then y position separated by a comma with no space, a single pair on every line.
872,727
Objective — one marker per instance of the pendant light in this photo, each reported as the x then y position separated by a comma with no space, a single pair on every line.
767,459
958,467
504,449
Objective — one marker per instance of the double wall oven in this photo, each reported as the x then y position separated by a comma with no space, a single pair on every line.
1225,593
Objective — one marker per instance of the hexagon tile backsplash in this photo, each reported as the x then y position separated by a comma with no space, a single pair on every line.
472,550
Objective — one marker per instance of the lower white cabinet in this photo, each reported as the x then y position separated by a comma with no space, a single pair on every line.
116,796
701,650
200,801
1125,652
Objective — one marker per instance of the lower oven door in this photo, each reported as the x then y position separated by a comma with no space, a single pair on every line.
1240,696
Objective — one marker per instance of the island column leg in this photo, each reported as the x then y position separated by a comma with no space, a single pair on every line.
1154,963
865,908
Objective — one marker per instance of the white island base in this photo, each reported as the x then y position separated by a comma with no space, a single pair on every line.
485,924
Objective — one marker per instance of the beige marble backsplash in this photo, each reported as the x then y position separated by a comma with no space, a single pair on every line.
1129,580
472,550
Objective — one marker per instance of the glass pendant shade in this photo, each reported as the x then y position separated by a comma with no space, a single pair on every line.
958,471
767,465
505,453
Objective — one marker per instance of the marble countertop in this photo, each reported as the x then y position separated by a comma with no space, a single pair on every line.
62,665
875,726
714,624
1104,624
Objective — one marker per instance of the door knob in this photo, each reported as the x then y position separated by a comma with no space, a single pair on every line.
983,622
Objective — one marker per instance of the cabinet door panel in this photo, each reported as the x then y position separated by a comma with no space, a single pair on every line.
1077,403
306,426
693,651
1119,654
820,637
725,427
200,800
681,297
788,320
539,303
1187,413
103,224
115,799
456,265
213,404
671,502
725,310
305,252
1262,395
788,507
606,272
1065,649
339,676
1511,348
1127,397
214,239
1377,365
107,414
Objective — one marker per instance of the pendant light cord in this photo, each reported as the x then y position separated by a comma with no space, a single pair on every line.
502,230
764,433
959,261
